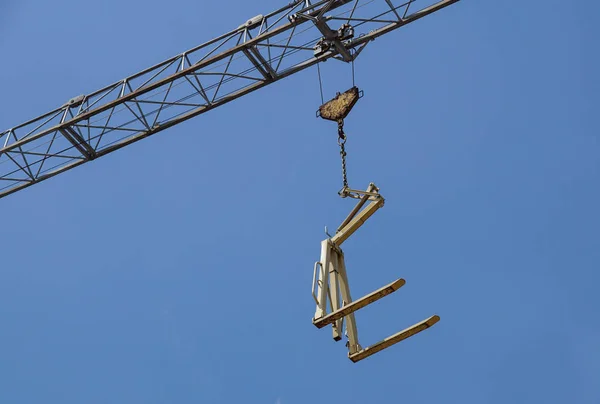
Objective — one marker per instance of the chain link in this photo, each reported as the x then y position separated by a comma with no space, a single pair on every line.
342,141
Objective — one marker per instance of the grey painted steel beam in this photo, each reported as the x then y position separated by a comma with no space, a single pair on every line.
266,49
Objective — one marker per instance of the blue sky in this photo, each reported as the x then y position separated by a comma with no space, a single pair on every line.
177,270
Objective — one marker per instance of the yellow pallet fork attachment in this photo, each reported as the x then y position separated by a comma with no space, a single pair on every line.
330,287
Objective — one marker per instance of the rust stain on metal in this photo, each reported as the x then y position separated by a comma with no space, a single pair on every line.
339,107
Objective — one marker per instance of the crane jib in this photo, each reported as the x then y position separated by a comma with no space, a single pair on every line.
196,81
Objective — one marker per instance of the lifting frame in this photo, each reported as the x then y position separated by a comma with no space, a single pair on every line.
331,285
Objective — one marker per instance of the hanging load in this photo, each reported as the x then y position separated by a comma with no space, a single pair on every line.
330,286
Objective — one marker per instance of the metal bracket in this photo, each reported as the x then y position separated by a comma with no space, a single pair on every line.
356,194
334,40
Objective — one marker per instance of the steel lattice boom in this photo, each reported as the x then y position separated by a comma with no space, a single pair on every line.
265,49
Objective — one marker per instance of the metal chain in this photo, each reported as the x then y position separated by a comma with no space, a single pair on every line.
342,141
